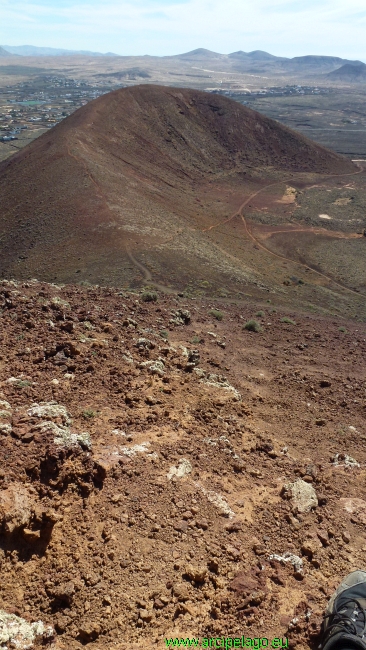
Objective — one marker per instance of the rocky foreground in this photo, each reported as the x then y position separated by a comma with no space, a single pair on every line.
165,472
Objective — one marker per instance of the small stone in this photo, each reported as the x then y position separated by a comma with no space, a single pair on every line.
146,615
310,547
158,604
180,591
196,574
31,536
213,565
202,523
346,537
259,549
181,526
234,526
187,515
28,437
323,536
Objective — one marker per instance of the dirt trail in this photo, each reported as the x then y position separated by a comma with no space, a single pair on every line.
148,275
265,187
282,257
265,234
289,259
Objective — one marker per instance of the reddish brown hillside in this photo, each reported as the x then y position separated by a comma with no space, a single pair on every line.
124,172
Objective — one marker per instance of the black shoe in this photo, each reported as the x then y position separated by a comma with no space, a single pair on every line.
344,626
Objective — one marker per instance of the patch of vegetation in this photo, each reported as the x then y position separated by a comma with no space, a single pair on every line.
252,326
260,314
288,321
195,340
216,314
164,334
343,329
22,383
88,414
149,296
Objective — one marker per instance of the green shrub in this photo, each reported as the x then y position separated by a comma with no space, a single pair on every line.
343,329
164,334
252,326
149,296
216,314
195,340
288,321
260,314
88,414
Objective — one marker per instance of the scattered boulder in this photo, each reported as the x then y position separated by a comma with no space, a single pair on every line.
302,494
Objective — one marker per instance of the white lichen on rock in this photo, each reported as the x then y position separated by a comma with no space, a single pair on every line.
288,557
5,414
127,357
344,459
219,381
49,411
303,495
155,367
5,428
20,634
218,501
143,448
68,439
64,436
184,468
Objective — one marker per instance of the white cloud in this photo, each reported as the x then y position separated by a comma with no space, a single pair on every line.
284,27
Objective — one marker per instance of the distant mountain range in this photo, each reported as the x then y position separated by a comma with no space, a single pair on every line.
259,62
32,50
255,63
354,71
4,52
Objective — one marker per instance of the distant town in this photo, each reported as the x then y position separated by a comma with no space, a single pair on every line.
42,103
30,108
274,91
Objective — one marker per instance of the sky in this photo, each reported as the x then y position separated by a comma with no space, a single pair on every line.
164,27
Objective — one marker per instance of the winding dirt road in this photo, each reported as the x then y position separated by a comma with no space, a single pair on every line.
257,242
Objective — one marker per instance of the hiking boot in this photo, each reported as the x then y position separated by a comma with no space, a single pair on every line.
344,626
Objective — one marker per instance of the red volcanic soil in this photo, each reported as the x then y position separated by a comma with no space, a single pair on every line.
146,461
125,172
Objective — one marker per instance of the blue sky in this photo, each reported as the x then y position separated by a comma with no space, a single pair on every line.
162,27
